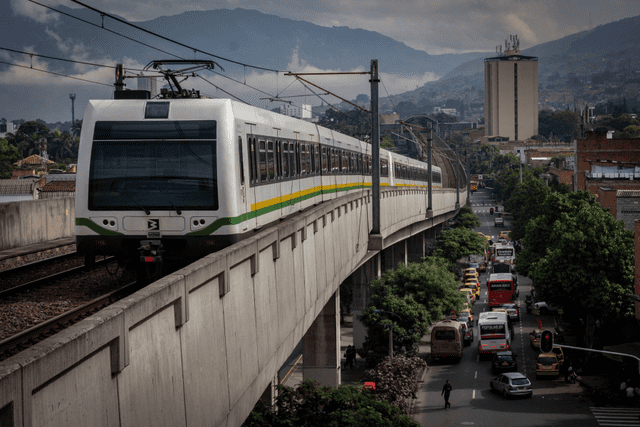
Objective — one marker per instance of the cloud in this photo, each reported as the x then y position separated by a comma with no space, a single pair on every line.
34,11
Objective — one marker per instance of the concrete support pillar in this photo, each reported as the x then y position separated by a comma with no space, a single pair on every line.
388,258
361,279
416,247
321,346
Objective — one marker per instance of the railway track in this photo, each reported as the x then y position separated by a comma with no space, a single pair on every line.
35,334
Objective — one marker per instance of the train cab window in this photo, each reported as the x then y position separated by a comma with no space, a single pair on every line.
241,160
271,161
263,161
325,161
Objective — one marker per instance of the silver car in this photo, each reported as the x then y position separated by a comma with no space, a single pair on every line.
511,384
512,311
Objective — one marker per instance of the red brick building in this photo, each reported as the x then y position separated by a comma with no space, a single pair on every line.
606,165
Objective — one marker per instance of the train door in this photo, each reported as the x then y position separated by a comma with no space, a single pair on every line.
242,184
290,185
251,144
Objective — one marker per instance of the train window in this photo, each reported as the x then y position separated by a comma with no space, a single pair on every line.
384,169
272,165
298,160
285,159
263,161
279,159
325,160
303,159
317,151
241,160
313,159
370,165
344,167
334,161
308,159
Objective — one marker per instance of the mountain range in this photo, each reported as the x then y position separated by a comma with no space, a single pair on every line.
255,38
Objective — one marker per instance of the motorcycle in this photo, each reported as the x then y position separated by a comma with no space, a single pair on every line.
572,377
529,308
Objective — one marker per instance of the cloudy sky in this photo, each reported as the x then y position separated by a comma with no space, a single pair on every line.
434,26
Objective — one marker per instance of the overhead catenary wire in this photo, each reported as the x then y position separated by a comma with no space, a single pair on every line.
106,29
66,60
57,74
115,18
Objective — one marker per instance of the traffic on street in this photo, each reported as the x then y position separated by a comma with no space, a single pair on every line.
519,386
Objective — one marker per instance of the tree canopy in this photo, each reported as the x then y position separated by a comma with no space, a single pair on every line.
313,406
8,155
459,242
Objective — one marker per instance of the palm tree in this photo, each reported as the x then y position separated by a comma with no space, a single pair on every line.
76,128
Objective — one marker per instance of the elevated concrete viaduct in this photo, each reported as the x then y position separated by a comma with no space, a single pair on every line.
201,346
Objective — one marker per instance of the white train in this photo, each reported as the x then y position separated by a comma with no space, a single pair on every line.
180,178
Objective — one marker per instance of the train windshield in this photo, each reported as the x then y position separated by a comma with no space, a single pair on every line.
165,165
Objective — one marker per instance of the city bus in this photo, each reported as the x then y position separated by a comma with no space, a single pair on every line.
495,335
447,339
502,288
504,253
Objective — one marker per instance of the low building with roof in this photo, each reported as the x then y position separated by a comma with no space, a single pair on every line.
18,190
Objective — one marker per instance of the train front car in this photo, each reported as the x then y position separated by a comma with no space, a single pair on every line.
150,181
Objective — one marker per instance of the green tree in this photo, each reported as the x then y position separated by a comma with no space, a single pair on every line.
578,255
312,406
8,155
525,204
31,137
459,242
387,143
466,218
563,125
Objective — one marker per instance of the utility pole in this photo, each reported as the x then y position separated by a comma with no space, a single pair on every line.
72,96
457,178
429,177
375,149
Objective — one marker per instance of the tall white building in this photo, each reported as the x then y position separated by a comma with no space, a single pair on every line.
148,83
303,112
511,93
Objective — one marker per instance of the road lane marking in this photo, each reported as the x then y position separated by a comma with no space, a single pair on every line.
476,375
474,394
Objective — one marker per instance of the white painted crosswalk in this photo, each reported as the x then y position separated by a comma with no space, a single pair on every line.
613,417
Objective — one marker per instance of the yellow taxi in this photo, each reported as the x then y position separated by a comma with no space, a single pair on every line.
504,235
474,283
471,272
471,295
547,364
472,286
534,338
468,311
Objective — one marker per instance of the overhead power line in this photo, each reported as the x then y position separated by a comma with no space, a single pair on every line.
65,60
106,29
172,41
54,73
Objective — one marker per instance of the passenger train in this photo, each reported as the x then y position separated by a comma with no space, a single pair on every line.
181,178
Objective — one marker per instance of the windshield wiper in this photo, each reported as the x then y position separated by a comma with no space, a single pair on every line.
179,212
145,209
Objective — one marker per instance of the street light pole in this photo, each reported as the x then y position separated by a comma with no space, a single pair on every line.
390,330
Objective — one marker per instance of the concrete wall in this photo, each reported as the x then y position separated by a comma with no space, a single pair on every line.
35,221
200,346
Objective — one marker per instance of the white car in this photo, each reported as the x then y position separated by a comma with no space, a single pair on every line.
498,222
512,384
543,307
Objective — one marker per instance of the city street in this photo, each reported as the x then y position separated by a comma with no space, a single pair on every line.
554,403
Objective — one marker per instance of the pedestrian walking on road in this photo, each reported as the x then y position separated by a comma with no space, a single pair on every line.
446,391
350,354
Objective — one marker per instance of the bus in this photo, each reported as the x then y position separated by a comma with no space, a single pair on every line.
447,339
495,335
504,253
502,288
